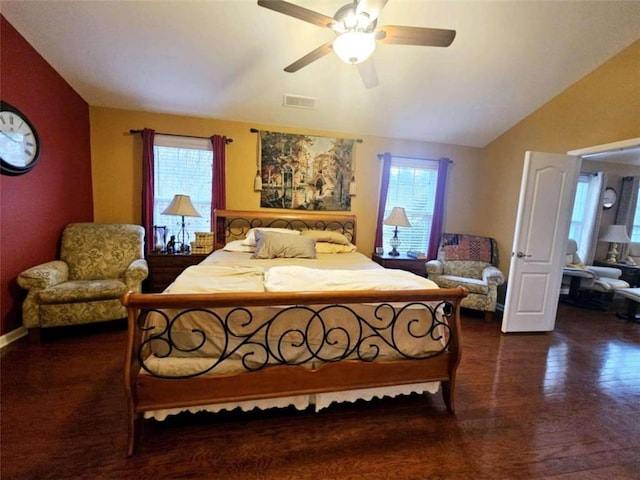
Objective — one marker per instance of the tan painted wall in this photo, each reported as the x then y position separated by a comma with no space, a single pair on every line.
602,107
117,173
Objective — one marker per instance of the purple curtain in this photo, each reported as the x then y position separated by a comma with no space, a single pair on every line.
219,193
384,186
148,193
438,209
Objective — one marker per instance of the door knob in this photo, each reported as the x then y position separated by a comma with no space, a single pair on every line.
522,255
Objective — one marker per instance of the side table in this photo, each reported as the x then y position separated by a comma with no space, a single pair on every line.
402,262
164,268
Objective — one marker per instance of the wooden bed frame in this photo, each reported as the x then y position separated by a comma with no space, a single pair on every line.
146,391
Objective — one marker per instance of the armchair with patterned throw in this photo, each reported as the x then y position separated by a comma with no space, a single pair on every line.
98,263
470,261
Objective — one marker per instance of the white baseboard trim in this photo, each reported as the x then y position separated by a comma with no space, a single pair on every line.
12,336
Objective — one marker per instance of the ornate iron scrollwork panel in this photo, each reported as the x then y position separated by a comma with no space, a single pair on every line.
293,335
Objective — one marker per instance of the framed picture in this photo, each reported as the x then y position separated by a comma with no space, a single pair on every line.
305,172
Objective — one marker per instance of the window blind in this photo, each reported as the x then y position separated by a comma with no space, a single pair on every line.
183,165
635,228
412,185
579,208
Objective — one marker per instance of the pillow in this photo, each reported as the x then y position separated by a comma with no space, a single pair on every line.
251,234
326,247
283,245
238,246
329,236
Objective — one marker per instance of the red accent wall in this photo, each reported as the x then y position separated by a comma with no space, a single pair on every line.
36,206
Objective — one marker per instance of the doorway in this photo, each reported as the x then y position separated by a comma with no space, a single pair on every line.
535,271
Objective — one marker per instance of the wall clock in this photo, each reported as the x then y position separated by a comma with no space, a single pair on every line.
19,142
609,198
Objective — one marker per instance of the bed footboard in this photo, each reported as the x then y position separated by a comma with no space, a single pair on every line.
199,349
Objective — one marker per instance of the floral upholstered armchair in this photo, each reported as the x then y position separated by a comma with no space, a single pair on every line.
470,261
98,263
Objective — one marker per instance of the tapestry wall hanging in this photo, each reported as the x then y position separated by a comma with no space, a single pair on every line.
305,172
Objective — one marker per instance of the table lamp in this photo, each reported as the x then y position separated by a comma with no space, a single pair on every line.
615,234
397,218
181,206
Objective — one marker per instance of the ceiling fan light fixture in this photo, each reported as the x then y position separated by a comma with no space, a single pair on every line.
354,47
350,21
347,20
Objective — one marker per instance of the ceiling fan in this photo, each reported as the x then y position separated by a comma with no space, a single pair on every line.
355,26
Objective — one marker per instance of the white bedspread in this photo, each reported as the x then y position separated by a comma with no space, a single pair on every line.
218,278
237,272
304,279
210,278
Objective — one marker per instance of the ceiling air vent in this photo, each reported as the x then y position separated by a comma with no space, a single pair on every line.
297,101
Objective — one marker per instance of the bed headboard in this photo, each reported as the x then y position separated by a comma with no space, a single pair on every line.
234,224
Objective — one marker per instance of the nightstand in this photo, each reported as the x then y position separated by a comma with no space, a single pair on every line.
402,262
163,269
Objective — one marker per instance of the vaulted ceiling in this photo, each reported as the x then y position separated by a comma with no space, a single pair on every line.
225,59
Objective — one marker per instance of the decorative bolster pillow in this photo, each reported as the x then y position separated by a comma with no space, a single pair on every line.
327,236
250,239
327,247
283,245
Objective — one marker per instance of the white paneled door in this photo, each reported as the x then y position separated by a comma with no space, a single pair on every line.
539,243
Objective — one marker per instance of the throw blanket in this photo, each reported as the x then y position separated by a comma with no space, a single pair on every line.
304,279
457,246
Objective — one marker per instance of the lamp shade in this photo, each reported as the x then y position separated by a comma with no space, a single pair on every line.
181,205
354,47
615,234
398,218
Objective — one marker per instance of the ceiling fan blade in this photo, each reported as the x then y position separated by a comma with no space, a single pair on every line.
368,73
312,56
371,7
428,37
298,12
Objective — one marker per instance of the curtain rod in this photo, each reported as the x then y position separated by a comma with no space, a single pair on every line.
133,132
381,156
255,130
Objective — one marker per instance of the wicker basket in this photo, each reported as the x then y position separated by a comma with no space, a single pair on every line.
203,243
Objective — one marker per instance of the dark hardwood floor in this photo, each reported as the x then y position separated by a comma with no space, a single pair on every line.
561,405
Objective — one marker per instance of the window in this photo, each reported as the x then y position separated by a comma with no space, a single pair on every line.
579,208
635,229
586,208
183,165
412,185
